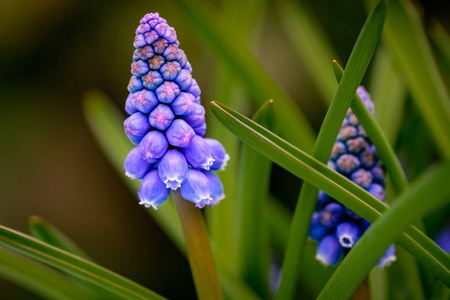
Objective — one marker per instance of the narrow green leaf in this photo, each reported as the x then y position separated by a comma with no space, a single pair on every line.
48,233
74,265
370,247
378,286
441,42
38,278
253,244
106,124
357,65
407,40
337,186
311,44
218,35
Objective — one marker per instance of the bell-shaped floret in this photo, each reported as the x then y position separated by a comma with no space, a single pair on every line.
135,166
348,233
173,169
136,127
317,231
332,214
196,189
329,251
153,191
377,191
184,80
153,146
129,107
198,154
200,130
218,153
161,117
323,199
135,84
388,257
216,187
179,133
347,163
152,80
362,178
167,92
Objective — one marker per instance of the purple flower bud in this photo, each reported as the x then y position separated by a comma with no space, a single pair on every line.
150,37
365,97
347,163
351,213
170,70
218,154
377,191
352,119
180,134
194,89
362,178
171,52
144,101
317,231
201,130
156,62
187,66
216,187
332,214
139,41
145,53
348,233
181,59
184,80
388,257
167,92
323,199
153,146
195,188
153,191
129,107
139,68
198,154
361,131
161,117
166,32
173,169
143,28
364,225
183,105
197,117
378,173
136,126
347,132
135,166
338,149
331,165
368,157
152,80
159,45
357,145
329,251
135,84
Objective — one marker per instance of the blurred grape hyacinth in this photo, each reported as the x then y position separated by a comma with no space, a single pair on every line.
167,122
335,227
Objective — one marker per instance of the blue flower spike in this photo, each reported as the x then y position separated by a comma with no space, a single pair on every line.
335,227
167,122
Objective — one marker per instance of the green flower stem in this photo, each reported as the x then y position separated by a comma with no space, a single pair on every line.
199,252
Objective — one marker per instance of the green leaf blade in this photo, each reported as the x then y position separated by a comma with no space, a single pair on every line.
74,265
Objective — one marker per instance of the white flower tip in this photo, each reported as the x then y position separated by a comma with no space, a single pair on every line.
173,183
130,175
322,259
147,204
209,163
346,241
224,162
386,262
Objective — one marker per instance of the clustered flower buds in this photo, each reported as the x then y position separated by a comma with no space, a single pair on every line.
167,122
335,227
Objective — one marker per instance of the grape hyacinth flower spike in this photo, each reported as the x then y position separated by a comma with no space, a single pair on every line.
167,122
336,228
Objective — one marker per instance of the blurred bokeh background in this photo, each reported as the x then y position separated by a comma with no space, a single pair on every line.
52,52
